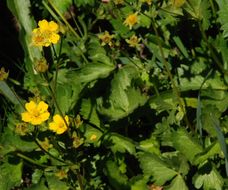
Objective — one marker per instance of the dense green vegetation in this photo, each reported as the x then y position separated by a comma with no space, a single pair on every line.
116,95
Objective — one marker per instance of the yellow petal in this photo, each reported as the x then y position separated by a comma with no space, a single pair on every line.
67,119
54,38
44,116
53,26
43,24
30,106
53,126
42,107
57,118
26,117
36,121
61,130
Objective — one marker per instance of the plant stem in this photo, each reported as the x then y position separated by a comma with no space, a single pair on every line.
30,160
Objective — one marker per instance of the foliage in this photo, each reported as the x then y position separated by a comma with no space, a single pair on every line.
137,90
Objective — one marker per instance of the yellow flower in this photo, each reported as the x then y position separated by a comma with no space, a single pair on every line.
106,38
46,34
131,20
149,2
36,113
178,3
3,74
58,125
133,41
93,137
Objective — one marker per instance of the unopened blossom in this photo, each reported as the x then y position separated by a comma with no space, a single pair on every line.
46,34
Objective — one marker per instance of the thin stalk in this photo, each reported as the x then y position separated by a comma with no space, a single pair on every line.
51,12
30,160
69,26
63,18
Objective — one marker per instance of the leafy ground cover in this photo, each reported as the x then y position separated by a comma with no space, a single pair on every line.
115,95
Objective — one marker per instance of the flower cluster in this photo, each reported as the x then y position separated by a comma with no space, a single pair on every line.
37,113
46,34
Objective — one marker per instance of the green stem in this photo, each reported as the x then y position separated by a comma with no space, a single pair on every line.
30,160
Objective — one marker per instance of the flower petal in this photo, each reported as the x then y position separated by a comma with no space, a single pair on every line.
43,24
42,107
30,106
54,38
44,116
26,117
53,126
53,26
61,130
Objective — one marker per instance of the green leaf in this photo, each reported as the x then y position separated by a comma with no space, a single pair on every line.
120,143
209,152
10,175
10,141
205,14
223,19
180,45
178,184
88,112
153,166
62,6
123,99
208,178
117,179
92,134
36,176
185,144
140,184
91,72
54,183
96,52
7,92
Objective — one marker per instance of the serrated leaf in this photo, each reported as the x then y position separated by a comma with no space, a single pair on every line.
178,184
92,134
186,145
120,143
207,153
223,16
10,175
153,166
208,179
205,14
116,178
